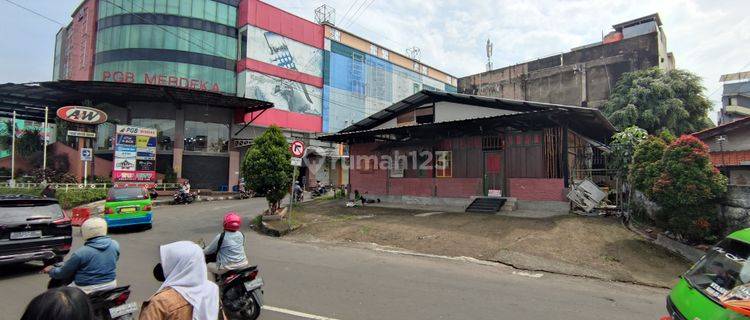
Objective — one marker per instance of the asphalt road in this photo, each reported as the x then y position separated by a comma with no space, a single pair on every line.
322,281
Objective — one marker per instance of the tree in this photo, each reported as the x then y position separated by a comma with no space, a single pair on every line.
646,166
28,143
267,168
622,148
654,100
687,189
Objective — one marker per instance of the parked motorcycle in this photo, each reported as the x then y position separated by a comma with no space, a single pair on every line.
109,304
183,197
246,194
320,191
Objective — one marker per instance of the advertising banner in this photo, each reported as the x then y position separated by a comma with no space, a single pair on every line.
285,94
272,48
135,154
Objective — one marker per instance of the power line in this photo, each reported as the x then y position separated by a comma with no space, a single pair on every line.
356,16
354,3
35,12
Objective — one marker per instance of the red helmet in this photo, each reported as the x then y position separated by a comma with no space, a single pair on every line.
232,221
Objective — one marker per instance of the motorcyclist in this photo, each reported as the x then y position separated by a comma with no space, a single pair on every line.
297,190
230,254
92,266
185,189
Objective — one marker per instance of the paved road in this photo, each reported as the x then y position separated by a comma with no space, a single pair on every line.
342,282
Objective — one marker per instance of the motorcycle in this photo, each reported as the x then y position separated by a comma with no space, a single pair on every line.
319,191
241,293
180,197
108,304
246,194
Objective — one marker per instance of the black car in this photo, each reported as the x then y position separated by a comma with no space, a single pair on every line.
33,228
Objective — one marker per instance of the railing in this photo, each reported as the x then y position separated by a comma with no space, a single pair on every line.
68,186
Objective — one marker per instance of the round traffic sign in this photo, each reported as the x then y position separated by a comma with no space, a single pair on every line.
298,148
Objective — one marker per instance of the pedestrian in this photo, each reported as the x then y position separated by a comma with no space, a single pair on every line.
186,293
48,192
63,303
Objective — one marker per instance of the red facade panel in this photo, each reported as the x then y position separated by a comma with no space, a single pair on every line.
537,189
372,181
419,187
730,158
269,69
268,17
458,187
286,119
81,42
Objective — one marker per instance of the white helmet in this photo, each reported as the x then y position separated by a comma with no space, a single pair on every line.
94,227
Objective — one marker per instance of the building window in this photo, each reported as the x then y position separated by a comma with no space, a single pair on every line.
336,35
424,115
415,66
373,50
164,131
448,79
443,164
732,101
384,54
424,70
404,119
206,137
398,166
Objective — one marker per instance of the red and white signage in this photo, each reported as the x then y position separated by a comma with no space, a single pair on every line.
80,114
298,148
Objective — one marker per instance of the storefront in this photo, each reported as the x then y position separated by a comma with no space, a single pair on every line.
193,127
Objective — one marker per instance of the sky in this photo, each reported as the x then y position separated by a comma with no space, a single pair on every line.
707,37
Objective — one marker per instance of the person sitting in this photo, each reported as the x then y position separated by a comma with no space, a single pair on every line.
228,246
63,303
92,266
186,293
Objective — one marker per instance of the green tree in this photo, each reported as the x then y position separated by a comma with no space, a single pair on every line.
267,168
622,147
687,190
28,143
654,100
646,166
5,135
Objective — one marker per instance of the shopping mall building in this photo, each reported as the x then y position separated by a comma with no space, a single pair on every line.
319,77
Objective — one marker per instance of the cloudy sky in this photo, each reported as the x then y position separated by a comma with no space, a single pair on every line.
707,37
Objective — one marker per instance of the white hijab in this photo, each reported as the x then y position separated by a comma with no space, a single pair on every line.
185,271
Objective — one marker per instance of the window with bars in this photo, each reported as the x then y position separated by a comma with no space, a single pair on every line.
443,164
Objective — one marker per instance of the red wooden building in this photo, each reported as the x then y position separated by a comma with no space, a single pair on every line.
445,148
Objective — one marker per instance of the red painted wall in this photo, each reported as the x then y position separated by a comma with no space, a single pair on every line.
459,187
372,181
82,42
268,17
287,119
421,187
537,189
269,69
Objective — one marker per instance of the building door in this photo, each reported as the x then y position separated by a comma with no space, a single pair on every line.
493,173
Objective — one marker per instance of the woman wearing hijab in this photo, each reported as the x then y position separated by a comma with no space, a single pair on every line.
186,293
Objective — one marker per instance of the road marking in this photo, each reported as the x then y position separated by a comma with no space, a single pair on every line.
427,214
296,313
526,274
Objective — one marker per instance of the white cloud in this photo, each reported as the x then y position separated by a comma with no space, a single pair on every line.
707,38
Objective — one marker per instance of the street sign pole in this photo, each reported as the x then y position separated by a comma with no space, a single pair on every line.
45,137
85,172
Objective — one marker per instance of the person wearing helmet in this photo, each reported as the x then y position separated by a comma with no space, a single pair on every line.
92,266
228,246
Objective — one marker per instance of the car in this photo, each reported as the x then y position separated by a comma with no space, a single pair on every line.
128,206
33,229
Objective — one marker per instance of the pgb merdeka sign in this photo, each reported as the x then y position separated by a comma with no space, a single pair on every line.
83,115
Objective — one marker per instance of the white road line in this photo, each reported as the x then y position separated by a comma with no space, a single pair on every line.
296,313
527,274
427,214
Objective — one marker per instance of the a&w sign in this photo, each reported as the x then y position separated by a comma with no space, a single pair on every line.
80,114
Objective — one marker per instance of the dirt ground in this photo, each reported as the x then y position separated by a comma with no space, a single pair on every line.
596,247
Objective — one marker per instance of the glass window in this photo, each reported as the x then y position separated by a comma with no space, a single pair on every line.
232,16
225,80
137,5
724,272
164,131
148,6
173,6
206,137
443,164
210,11
222,13
104,135
373,50
186,6
198,9
384,54
161,6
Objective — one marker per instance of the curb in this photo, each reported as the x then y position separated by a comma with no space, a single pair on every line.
158,203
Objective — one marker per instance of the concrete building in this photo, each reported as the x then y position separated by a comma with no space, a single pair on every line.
735,100
319,77
584,76
729,146
446,149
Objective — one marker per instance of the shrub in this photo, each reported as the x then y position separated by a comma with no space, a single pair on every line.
646,166
52,175
622,147
68,199
687,190
170,177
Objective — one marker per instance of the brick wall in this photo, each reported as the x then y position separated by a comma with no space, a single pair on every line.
537,189
730,158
